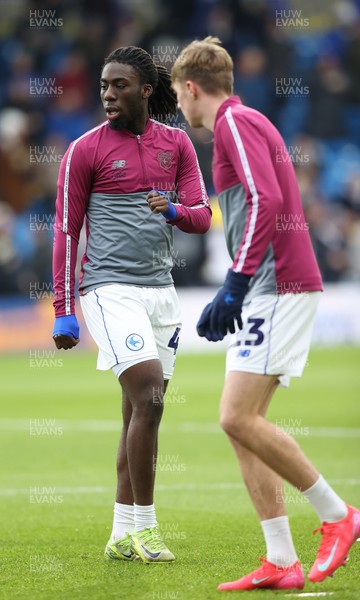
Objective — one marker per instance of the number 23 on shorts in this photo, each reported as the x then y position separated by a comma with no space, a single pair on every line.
255,331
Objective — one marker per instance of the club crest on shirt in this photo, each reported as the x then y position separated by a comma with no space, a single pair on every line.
165,159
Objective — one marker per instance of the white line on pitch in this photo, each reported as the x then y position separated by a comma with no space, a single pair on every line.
186,427
310,594
159,487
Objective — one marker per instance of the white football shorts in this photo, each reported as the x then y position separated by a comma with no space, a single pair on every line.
276,336
132,324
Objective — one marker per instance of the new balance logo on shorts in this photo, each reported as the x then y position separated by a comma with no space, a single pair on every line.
244,353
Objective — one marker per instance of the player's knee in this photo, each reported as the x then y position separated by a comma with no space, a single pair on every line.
227,423
150,404
236,427
151,412
156,402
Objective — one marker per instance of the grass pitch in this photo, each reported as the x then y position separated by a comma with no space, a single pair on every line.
60,425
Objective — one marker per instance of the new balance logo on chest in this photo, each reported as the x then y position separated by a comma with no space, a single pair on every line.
119,164
118,169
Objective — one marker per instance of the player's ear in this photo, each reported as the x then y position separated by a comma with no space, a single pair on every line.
147,90
192,89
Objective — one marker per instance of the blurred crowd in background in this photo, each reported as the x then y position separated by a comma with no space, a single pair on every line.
296,61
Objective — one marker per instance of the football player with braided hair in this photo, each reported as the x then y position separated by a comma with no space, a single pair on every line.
131,179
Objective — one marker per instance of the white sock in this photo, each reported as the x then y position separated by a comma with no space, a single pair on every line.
279,545
124,521
326,502
144,516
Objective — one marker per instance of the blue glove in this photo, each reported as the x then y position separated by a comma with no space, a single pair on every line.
203,326
67,325
217,318
171,213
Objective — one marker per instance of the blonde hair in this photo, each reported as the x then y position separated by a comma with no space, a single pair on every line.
207,63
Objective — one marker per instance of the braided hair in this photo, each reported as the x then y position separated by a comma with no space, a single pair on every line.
162,101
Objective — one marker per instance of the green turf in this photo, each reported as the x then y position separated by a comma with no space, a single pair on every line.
53,539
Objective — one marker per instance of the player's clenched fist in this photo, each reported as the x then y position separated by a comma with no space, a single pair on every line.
159,202
66,332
